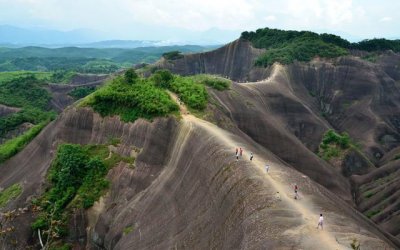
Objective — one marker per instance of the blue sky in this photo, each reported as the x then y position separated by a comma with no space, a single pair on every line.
205,20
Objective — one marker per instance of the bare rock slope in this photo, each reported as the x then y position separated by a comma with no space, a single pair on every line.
287,109
187,190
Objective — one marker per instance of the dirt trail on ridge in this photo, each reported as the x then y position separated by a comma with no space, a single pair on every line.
310,237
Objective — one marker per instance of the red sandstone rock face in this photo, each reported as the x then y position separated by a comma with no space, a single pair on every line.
187,190
289,114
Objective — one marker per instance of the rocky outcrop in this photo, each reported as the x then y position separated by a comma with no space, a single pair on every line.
186,190
6,110
59,92
235,61
378,196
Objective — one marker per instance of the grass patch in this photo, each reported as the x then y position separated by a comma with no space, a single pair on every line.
193,94
373,57
128,230
13,146
333,145
396,157
372,213
215,82
9,194
369,194
114,141
10,75
81,92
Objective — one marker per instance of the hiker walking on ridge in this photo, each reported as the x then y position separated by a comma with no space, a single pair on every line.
236,151
296,194
321,222
241,152
251,156
237,156
266,168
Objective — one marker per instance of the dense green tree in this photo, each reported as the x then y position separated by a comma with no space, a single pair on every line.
130,76
162,78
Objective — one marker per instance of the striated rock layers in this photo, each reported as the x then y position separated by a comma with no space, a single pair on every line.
187,190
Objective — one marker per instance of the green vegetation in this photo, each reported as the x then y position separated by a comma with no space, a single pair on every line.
114,141
28,93
83,60
80,92
372,213
372,57
355,245
162,78
288,46
24,91
190,89
59,76
128,230
141,99
378,44
77,180
369,194
333,144
130,76
8,76
193,94
172,55
132,97
10,193
62,76
302,50
13,146
215,82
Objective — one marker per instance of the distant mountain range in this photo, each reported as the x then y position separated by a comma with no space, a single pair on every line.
16,37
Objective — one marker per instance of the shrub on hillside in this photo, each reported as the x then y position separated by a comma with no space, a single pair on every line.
301,50
215,82
130,76
80,92
172,55
162,78
194,95
131,102
287,46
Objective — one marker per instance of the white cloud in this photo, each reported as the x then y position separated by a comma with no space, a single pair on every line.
270,18
194,15
141,16
385,19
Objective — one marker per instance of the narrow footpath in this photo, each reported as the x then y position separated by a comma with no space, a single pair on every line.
321,239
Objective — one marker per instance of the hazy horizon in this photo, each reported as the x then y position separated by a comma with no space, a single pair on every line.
201,22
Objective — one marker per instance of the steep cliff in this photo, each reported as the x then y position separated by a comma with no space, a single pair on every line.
234,60
287,109
187,191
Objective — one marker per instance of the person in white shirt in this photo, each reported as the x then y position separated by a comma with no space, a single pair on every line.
266,168
321,222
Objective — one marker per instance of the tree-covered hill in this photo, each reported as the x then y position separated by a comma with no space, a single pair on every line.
287,46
